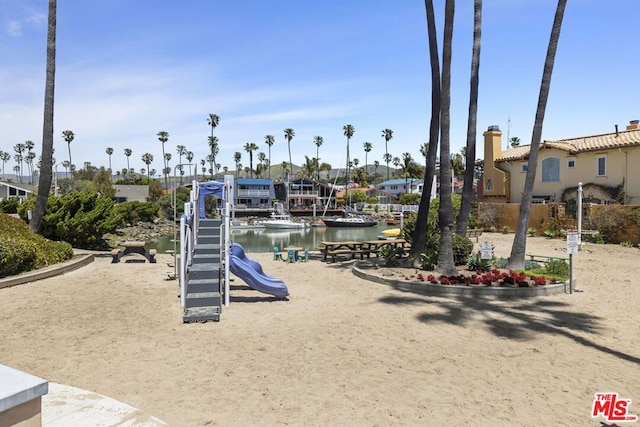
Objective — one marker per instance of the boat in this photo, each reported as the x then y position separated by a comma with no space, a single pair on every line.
283,221
244,225
349,222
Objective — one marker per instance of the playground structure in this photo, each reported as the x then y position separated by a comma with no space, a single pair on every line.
207,257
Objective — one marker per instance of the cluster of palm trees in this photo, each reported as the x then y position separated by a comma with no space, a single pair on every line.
24,154
438,136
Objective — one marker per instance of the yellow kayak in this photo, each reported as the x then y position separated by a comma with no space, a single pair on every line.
392,232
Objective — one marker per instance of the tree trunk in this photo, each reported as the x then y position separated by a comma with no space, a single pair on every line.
46,168
418,238
469,172
516,260
445,215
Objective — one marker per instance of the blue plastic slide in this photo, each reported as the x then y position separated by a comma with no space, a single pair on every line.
251,272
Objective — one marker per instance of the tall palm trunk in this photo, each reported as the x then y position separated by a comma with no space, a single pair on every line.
418,238
46,172
445,215
467,189
516,260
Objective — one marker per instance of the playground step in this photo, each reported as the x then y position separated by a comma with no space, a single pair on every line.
208,240
208,231
201,248
207,270
201,314
203,299
205,258
203,285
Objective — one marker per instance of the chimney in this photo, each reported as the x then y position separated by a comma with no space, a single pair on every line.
633,125
616,130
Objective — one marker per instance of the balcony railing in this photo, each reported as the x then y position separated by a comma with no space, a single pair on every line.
253,193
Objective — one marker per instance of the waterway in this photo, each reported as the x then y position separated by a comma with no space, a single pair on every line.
263,240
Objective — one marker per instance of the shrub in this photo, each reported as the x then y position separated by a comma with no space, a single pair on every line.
22,250
79,218
477,263
488,215
557,266
532,231
9,206
183,195
135,211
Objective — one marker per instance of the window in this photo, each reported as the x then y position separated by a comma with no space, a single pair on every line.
601,164
524,167
551,169
571,164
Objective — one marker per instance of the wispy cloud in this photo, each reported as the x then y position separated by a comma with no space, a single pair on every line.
13,28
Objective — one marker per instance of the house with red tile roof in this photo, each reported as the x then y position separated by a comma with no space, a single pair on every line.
607,165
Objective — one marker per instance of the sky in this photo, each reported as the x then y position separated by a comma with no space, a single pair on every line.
127,69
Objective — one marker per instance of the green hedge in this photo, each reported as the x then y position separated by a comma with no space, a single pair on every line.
22,250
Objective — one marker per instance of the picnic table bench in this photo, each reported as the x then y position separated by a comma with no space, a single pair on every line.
133,248
374,246
474,232
545,258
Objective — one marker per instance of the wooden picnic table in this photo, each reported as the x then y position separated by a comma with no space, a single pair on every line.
347,247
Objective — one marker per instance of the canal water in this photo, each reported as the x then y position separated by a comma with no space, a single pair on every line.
263,240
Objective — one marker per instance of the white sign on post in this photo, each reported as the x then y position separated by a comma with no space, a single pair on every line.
573,242
486,250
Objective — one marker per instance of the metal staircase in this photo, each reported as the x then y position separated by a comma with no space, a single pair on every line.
204,274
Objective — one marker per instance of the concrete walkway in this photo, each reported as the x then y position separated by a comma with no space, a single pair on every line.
66,406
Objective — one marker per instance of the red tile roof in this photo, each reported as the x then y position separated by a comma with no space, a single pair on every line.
607,141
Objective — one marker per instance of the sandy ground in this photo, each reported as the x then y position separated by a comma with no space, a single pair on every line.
341,351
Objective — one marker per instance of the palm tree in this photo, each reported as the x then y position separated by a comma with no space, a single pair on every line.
349,130
367,149
147,158
189,157
269,140
396,162
376,165
181,150
261,158
30,157
204,168
470,149
446,263
167,168
284,169
407,163
213,146
127,153
237,156
516,260
66,165
19,149
163,137
44,182
213,120
387,159
420,231
515,141
289,133
109,152
318,140
387,134
250,147
68,137
4,157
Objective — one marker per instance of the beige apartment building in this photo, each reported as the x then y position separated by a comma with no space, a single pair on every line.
608,165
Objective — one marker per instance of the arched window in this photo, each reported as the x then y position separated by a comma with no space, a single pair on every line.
551,169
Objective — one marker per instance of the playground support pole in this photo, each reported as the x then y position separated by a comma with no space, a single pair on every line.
182,277
228,197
